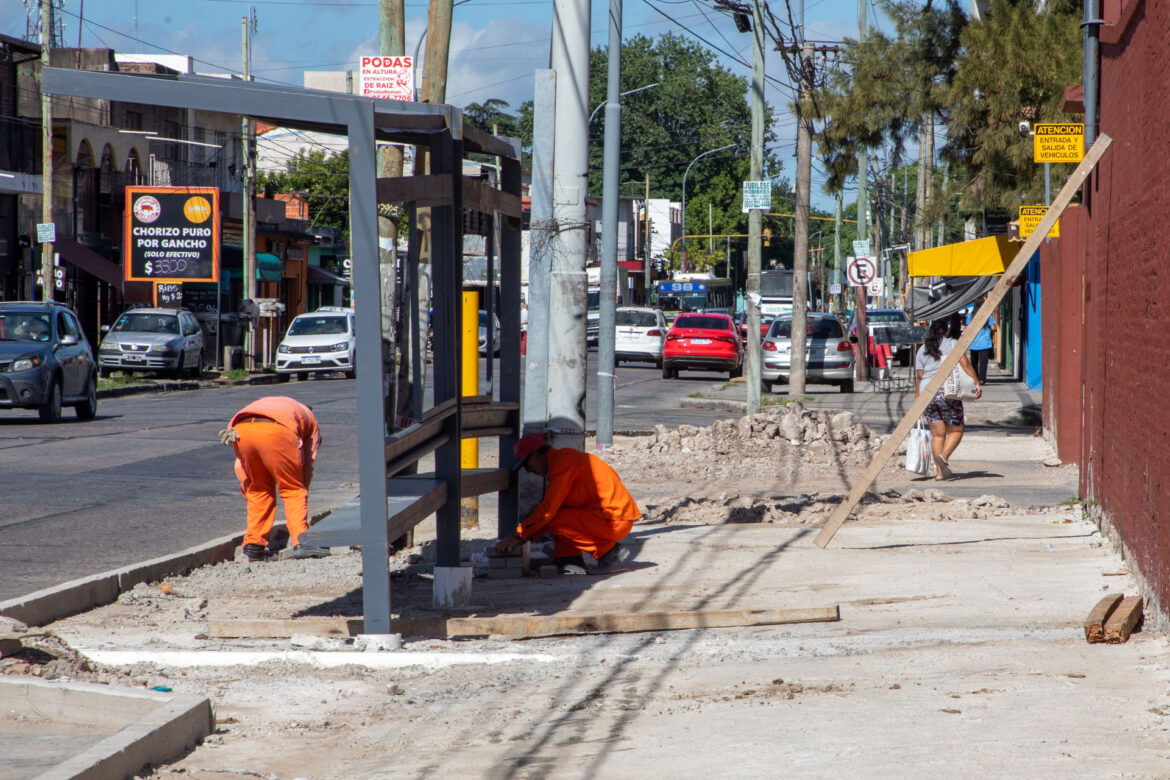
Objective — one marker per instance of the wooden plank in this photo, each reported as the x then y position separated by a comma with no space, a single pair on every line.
481,196
526,626
951,359
1123,620
283,629
1095,622
423,190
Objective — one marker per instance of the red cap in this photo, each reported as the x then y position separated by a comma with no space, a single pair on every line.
525,446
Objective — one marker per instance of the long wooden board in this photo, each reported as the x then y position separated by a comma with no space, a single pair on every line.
1095,622
525,626
951,359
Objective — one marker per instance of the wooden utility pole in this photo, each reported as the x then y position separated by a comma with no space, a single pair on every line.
395,333
48,281
796,375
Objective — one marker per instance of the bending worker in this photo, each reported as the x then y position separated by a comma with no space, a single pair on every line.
586,507
276,441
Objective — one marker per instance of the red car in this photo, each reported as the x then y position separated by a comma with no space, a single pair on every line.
707,342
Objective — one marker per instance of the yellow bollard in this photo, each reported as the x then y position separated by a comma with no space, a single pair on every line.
469,448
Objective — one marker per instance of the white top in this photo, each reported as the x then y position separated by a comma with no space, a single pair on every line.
929,365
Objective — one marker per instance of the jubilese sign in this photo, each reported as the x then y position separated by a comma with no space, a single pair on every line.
172,234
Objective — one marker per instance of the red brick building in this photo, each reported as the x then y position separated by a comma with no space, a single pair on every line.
1106,303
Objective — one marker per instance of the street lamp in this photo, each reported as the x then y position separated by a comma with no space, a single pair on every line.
620,95
684,200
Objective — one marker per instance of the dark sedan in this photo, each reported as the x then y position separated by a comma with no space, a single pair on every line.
45,361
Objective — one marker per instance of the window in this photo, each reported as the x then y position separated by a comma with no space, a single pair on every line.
818,328
641,319
66,326
706,323
318,326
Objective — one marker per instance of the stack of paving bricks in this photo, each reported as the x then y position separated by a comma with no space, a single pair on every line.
509,565
1113,619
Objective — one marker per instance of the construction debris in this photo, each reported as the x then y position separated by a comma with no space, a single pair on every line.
1113,619
1095,622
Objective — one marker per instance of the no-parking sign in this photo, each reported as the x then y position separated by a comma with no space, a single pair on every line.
861,271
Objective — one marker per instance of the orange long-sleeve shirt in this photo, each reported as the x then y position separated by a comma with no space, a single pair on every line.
578,480
290,413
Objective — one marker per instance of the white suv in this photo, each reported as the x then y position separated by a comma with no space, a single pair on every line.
321,341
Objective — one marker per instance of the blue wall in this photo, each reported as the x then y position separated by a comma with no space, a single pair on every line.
1032,335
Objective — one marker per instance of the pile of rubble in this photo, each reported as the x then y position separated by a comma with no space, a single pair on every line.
762,445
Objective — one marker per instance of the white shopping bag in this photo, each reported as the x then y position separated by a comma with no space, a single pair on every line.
918,450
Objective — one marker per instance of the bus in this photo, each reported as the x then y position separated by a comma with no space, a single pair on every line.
776,293
675,296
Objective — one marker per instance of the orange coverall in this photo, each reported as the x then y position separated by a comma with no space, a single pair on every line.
275,452
586,507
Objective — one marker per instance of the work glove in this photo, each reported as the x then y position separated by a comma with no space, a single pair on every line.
228,436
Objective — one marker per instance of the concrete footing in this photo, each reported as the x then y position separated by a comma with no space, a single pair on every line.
452,586
144,727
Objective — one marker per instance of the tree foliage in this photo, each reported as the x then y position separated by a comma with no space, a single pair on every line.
322,179
980,78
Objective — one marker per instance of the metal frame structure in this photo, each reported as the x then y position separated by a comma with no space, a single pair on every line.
365,121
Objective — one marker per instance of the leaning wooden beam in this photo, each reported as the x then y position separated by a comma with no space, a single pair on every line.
951,359
525,626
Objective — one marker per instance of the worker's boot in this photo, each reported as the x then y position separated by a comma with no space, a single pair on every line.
570,564
257,553
616,555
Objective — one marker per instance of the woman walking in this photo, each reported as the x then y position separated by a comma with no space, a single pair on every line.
943,415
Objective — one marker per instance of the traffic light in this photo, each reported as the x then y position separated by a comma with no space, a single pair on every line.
767,236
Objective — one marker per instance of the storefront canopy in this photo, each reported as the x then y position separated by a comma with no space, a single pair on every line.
981,257
269,268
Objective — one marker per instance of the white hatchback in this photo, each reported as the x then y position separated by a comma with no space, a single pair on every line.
639,334
321,341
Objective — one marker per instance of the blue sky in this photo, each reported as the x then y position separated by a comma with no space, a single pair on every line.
496,45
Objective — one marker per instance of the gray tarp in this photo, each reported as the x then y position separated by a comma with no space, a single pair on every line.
947,296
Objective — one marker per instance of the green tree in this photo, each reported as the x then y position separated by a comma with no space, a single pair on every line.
488,113
1014,66
322,179
697,106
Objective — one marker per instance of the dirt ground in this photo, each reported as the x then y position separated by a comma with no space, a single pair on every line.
959,651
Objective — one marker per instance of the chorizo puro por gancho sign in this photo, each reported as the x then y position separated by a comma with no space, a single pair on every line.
172,234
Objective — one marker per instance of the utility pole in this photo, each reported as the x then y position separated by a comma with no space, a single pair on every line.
48,280
395,333
434,90
862,370
800,243
755,216
248,128
607,314
837,250
567,350
542,230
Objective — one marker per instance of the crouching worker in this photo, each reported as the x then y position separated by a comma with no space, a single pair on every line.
586,507
275,440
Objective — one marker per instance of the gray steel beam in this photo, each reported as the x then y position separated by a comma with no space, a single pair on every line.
363,231
447,270
509,505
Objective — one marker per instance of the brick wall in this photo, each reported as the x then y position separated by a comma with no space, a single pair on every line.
1114,255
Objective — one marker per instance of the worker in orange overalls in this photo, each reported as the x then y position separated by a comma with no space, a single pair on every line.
276,441
586,507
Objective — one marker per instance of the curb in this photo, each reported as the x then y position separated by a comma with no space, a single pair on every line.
155,727
173,386
714,404
71,598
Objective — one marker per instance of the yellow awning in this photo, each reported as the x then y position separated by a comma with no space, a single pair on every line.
981,257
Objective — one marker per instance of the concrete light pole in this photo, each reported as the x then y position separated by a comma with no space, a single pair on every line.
684,199
607,305
755,216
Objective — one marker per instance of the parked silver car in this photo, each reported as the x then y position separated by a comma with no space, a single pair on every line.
828,352
153,340
639,334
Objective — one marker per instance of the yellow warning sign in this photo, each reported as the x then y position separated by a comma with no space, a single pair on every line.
1030,217
1058,143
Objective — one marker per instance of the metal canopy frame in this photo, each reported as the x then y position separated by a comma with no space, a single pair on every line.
364,121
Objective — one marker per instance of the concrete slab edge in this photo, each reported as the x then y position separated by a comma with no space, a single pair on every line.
71,598
171,386
167,725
